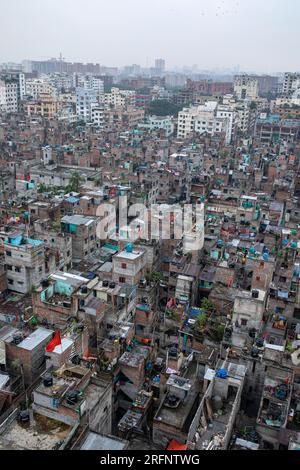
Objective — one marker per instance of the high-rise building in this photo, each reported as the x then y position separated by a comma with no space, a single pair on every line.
160,65
85,98
288,82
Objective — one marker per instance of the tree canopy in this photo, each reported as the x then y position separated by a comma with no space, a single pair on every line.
163,108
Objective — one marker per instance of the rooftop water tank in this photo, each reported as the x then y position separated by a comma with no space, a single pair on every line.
129,248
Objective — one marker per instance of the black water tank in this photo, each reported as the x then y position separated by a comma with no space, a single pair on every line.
24,416
17,338
76,360
105,283
112,285
48,380
72,397
255,294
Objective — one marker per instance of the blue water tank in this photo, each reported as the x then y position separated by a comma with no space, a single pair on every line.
129,248
222,373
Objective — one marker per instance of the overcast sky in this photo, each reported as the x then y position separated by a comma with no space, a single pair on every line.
257,35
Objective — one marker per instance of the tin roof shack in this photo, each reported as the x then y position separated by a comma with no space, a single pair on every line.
54,301
83,232
28,352
176,411
129,266
214,420
274,406
248,311
25,262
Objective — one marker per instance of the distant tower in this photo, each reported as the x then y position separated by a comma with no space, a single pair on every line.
160,65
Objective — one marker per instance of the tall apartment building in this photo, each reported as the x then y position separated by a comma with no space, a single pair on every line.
9,95
25,262
85,98
160,65
97,116
289,82
246,87
14,90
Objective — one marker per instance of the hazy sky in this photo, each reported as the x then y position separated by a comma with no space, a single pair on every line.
261,35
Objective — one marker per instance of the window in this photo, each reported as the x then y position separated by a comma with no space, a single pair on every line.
8,253
123,265
122,280
244,322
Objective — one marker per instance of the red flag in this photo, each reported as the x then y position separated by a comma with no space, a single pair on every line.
54,342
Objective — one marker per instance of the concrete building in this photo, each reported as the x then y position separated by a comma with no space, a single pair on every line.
85,98
29,352
156,123
246,87
97,116
289,81
9,95
37,86
129,266
83,232
209,118
25,262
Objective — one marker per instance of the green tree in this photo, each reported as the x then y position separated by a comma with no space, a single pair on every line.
201,321
74,183
163,108
207,305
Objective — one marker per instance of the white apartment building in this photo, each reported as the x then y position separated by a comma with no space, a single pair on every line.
242,117
246,87
156,122
25,262
85,98
211,118
2,97
119,98
9,95
97,116
37,86
186,121
88,82
129,266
